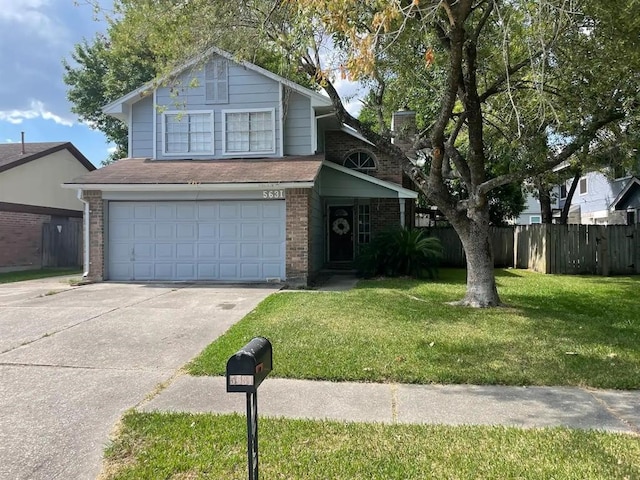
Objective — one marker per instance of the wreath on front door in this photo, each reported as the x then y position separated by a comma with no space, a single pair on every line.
341,226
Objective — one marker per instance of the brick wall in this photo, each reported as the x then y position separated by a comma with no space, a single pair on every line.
338,145
385,213
297,235
96,234
21,239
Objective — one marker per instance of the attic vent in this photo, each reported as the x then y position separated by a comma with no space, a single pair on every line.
216,81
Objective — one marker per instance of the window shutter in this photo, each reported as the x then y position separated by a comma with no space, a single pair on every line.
216,82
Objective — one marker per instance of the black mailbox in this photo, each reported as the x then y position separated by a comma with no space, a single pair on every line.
249,366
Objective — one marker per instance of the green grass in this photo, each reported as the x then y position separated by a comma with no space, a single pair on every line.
556,330
187,446
10,277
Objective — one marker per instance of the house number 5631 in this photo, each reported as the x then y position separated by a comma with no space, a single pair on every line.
273,194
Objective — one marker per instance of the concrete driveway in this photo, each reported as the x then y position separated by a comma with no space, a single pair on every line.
72,360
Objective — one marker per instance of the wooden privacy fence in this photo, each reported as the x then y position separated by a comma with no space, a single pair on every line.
62,244
566,249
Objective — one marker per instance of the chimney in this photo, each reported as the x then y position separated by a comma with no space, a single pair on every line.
403,127
23,149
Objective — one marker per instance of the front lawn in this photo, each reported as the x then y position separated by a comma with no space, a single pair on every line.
9,277
556,330
186,446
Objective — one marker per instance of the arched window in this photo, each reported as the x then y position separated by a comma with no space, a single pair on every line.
360,161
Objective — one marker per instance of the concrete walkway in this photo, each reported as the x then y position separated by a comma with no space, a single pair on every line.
527,407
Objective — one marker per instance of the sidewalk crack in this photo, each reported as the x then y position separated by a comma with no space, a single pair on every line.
394,403
633,428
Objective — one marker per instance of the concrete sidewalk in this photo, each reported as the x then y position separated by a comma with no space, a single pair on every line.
528,407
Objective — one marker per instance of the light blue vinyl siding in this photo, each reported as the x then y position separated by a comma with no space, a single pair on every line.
142,114
248,90
297,125
317,232
599,194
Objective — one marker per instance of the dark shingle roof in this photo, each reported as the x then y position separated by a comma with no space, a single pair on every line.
11,153
139,171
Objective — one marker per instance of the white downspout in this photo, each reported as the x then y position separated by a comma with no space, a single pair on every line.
85,219
402,203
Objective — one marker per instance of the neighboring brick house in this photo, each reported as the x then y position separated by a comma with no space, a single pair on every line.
245,176
31,175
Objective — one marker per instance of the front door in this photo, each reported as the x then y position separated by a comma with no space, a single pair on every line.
341,234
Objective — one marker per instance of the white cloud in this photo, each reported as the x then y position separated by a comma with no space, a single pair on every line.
34,15
111,150
36,110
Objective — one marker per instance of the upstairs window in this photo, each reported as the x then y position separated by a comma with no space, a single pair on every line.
249,131
188,132
360,161
582,186
216,81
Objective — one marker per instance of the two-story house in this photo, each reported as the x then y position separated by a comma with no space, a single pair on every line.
236,174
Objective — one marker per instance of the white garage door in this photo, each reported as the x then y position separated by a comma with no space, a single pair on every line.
204,240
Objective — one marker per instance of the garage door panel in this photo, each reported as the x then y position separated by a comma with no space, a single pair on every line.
165,231
207,231
143,231
251,211
272,210
207,211
229,270
208,271
271,250
143,212
249,250
186,271
162,270
228,250
186,211
229,210
144,270
143,251
196,240
229,231
120,252
271,270
207,251
186,231
250,231
165,251
120,211
249,271
185,250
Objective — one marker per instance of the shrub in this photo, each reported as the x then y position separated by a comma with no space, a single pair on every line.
400,252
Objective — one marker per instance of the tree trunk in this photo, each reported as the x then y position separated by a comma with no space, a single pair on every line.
481,283
544,196
564,216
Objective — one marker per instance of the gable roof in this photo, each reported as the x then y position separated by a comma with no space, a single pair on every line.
116,109
11,155
621,201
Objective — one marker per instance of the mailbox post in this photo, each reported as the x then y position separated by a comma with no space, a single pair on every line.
246,370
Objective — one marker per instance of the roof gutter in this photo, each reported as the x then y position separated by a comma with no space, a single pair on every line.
85,220
186,187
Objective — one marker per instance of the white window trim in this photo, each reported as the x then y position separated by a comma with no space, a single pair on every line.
186,112
216,79
586,186
531,217
248,110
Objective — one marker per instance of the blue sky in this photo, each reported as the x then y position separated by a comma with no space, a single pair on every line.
35,36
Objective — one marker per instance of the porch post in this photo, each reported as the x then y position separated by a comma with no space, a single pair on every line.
402,222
